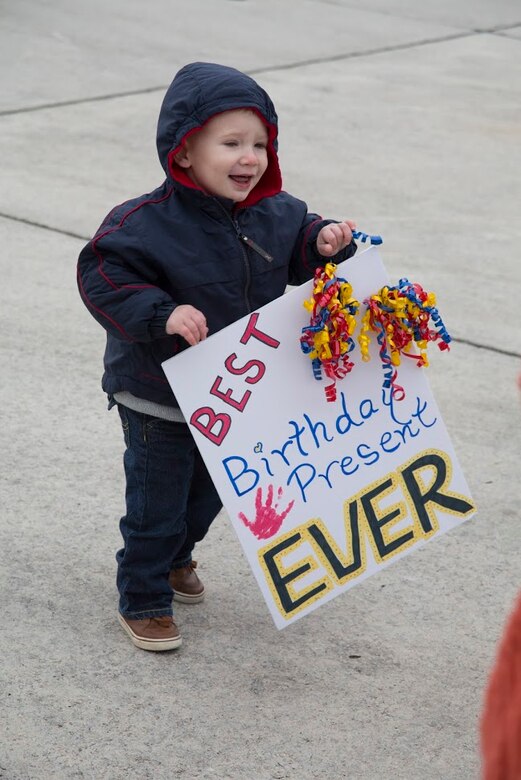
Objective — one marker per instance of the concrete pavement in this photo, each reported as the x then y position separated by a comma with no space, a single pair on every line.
402,115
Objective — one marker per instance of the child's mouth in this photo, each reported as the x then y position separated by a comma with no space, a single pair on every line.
241,181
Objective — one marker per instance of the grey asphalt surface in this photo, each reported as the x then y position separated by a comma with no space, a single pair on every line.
403,115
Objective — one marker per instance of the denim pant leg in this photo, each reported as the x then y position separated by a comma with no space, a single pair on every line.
160,464
203,507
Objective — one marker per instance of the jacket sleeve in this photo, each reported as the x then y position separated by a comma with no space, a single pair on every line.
120,288
305,258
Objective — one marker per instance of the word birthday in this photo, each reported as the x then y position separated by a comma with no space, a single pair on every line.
389,530
294,460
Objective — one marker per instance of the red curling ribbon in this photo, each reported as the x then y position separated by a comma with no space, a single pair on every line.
327,340
401,316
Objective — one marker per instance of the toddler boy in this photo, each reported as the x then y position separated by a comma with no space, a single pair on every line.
216,241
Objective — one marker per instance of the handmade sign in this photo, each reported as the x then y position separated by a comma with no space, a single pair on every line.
322,492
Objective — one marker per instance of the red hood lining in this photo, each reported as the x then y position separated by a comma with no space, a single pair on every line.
271,181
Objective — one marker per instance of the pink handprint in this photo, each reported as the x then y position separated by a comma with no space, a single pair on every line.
267,520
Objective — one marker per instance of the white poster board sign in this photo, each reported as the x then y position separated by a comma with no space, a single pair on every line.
321,494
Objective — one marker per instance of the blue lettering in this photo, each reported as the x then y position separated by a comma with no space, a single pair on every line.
370,411
365,456
267,466
344,466
251,475
407,427
388,400
419,411
282,452
326,474
344,421
313,430
305,481
385,438
296,437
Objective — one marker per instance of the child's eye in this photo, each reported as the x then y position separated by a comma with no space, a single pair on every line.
260,145
230,143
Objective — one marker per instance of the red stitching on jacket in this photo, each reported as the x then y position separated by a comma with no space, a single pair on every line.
305,241
155,378
116,227
100,311
100,263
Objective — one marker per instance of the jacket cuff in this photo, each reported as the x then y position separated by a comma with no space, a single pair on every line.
347,251
157,327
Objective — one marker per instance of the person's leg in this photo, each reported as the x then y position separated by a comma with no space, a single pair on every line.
203,506
158,467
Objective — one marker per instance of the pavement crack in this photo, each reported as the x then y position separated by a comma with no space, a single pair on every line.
487,347
500,28
40,225
497,30
80,101
71,234
363,53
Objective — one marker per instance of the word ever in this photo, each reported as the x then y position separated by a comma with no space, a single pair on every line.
215,425
390,529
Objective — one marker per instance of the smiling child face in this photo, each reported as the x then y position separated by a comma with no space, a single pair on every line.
228,156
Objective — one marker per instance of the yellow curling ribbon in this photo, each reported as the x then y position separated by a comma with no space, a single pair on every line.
328,338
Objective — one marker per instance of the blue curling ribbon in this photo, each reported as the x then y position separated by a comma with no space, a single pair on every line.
363,237
385,357
442,331
408,290
317,368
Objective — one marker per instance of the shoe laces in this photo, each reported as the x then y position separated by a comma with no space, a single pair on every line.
164,621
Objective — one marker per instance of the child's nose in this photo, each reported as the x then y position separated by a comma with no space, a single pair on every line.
249,157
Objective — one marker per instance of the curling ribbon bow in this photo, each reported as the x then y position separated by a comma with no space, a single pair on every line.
363,237
400,317
327,340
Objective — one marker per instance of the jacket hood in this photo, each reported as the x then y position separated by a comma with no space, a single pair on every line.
198,92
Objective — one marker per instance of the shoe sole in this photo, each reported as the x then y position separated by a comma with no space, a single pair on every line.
188,598
155,645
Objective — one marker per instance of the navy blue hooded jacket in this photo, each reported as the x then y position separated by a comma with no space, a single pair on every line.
179,245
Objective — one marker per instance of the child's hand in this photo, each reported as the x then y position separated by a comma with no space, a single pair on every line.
188,322
334,237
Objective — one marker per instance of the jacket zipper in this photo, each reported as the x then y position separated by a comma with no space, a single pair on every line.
253,245
246,263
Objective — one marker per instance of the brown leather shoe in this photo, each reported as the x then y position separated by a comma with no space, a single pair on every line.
186,585
157,633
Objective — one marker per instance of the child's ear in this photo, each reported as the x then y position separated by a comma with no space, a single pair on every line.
182,158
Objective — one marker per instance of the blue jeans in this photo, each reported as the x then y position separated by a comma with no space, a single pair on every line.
170,503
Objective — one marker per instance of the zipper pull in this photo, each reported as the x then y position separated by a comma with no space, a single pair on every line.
256,248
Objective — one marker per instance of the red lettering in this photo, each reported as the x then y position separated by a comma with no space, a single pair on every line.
251,380
227,396
215,426
251,330
223,421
